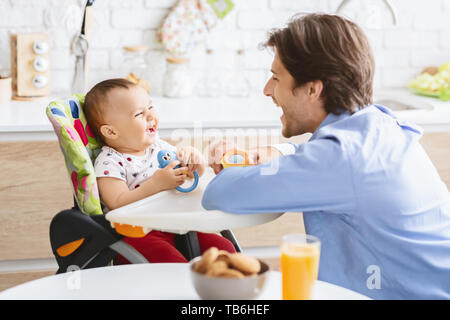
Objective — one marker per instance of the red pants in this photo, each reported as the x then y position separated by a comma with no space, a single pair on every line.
159,246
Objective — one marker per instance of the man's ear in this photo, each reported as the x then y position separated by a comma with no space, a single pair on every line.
109,132
315,89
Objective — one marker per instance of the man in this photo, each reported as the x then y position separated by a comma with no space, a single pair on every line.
365,185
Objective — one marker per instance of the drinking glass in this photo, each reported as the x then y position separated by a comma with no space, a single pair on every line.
299,265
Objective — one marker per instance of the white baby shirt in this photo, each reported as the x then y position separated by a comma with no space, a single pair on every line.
134,170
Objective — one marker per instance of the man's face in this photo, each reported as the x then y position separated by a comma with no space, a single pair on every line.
299,110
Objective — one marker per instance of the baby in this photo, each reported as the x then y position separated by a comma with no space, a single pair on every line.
122,116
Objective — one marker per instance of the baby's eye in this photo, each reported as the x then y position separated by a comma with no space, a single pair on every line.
139,114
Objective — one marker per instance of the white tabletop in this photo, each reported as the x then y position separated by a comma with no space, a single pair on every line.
179,212
157,281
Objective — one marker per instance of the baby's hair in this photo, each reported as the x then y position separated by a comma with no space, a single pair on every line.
96,102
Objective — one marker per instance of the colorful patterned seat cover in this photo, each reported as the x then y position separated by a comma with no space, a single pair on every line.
80,148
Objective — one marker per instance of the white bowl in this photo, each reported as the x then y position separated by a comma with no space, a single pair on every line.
219,288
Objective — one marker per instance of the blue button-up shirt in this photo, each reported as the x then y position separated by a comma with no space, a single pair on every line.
371,194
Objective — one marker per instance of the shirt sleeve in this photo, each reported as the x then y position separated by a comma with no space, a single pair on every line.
109,164
316,177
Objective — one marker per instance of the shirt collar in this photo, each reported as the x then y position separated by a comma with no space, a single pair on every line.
156,143
332,118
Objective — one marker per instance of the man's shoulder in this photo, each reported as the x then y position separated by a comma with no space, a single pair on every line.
359,124
353,131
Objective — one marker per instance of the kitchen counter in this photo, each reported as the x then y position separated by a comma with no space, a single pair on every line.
434,117
256,115
178,117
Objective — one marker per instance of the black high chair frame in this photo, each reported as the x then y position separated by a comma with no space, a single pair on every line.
80,241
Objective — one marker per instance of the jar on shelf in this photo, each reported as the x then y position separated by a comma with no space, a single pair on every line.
177,79
136,68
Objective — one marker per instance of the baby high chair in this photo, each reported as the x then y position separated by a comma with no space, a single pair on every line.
81,237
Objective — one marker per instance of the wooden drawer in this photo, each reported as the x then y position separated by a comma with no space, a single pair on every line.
34,187
14,278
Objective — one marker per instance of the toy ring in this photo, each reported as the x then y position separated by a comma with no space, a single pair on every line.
165,157
236,158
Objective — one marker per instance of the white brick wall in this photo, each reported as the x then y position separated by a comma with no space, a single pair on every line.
420,38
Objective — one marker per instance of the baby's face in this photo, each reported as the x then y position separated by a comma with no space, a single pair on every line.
133,117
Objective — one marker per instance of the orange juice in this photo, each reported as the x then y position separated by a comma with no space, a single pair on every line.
299,268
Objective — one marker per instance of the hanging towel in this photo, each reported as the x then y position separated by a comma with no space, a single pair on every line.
188,23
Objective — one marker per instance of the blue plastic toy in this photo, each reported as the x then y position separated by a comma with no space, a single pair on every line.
165,157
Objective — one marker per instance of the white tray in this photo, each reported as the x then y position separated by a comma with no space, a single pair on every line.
178,212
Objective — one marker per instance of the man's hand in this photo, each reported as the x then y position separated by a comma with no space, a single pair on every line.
255,155
216,152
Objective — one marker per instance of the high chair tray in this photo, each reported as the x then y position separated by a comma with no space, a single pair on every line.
178,212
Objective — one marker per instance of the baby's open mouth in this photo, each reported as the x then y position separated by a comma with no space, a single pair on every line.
151,130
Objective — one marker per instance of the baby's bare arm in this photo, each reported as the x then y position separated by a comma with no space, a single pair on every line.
115,192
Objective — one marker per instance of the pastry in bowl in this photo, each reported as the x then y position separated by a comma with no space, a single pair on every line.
218,274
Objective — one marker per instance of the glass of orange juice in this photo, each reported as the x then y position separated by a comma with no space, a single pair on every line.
299,265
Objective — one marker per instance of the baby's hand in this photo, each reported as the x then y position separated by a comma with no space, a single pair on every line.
168,177
193,159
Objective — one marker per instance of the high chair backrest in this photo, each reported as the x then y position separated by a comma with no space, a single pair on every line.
80,148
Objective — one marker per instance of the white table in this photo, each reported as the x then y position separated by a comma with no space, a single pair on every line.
178,212
157,281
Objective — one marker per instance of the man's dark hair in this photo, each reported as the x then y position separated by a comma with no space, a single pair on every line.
331,49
